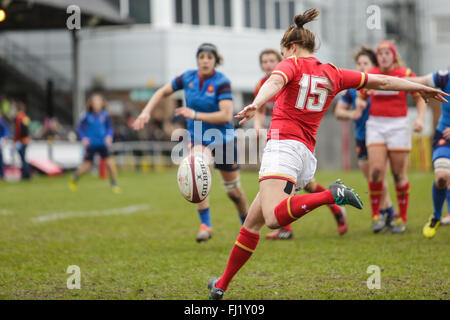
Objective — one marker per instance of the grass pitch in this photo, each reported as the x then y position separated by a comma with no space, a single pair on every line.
140,244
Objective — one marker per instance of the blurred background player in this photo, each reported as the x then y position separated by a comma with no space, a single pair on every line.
388,136
268,60
22,139
365,60
96,133
306,88
441,152
209,104
4,135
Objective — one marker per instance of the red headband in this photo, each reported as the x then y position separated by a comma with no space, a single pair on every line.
388,45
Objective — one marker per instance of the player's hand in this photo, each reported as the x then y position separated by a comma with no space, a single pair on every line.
108,141
85,142
418,125
428,93
140,122
355,114
247,113
185,112
446,133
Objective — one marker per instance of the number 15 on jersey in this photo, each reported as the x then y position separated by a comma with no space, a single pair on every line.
319,92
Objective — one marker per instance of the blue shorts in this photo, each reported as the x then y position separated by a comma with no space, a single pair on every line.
361,150
441,147
91,151
229,161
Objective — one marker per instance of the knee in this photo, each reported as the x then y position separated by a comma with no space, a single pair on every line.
235,195
441,182
272,222
234,191
399,178
375,174
310,187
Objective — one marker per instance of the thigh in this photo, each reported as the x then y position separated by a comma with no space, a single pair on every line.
377,156
230,176
399,162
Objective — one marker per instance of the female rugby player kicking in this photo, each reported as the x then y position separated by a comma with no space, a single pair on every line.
306,88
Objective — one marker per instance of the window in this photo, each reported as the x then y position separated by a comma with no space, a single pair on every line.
140,11
262,14
195,12
291,12
277,15
227,13
211,12
179,11
247,14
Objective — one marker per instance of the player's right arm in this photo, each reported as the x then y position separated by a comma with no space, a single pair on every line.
160,94
281,75
269,89
384,82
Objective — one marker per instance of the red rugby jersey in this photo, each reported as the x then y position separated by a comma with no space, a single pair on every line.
309,88
389,103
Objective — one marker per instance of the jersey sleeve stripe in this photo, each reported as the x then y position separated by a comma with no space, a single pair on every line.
286,79
363,82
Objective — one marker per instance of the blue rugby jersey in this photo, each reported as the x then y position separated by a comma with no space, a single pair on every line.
95,127
204,95
4,128
360,125
441,80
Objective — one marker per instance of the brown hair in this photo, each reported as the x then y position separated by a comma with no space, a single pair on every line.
295,33
369,53
270,51
89,106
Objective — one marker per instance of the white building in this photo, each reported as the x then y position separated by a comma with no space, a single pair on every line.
163,42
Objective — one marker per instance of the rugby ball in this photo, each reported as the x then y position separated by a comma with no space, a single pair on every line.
194,179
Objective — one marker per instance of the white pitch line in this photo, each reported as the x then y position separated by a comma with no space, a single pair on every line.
5,212
92,213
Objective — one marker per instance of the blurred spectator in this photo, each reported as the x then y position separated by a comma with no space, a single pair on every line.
4,134
22,138
51,130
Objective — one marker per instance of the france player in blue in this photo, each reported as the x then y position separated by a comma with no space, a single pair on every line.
365,60
96,133
208,106
441,152
4,134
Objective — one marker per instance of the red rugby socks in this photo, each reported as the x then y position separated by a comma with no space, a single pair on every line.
242,251
335,209
375,190
403,199
293,208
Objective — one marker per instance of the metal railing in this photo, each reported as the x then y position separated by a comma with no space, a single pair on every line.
32,66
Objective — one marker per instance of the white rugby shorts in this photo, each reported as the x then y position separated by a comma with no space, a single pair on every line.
394,132
288,160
